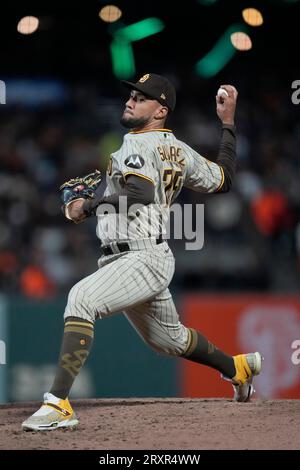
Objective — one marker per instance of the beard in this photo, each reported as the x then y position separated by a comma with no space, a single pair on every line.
131,123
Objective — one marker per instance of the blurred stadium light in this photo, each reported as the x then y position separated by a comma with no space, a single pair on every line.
219,56
122,58
241,41
140,30
110,13
122,55
252,16
37,92
28,25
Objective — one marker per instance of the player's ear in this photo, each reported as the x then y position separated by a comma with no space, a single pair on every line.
162,112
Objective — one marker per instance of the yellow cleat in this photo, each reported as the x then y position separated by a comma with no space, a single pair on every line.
247,366
54,413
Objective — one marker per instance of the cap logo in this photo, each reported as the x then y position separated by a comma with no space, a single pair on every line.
163,96
144,78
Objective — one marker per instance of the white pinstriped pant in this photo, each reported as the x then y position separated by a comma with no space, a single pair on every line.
135,282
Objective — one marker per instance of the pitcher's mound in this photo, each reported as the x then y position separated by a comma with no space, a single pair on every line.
165,423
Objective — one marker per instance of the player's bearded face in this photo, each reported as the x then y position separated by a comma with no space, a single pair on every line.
138,111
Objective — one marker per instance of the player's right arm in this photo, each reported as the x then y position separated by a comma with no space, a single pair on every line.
206,176
227,152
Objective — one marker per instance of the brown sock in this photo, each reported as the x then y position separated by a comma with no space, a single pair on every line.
76,345
200,350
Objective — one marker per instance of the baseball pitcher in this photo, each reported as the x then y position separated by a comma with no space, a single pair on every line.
136,264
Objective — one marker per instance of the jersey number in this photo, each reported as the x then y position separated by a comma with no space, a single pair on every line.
172,180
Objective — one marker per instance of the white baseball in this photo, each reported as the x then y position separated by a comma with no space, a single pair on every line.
222,91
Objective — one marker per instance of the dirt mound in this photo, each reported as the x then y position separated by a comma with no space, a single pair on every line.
161,424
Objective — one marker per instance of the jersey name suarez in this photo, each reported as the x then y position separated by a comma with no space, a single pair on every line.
159,157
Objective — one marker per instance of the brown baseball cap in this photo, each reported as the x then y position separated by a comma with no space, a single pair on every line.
156,87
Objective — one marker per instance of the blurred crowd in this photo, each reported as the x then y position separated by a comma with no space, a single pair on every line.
252,234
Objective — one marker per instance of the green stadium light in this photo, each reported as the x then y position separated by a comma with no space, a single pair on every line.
121,49
122,59
219,56
140,30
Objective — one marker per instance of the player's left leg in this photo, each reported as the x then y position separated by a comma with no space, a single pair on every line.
122,280
56,411
157,322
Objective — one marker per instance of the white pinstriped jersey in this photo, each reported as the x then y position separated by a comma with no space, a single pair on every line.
169,164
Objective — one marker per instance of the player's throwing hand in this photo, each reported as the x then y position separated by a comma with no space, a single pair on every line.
226,104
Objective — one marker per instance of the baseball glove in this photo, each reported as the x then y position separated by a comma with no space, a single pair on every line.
80,187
